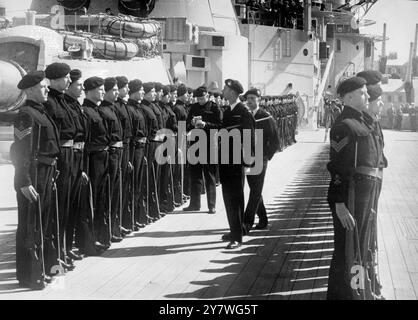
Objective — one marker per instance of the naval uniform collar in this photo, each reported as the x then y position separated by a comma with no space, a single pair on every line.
72,99
120,100
234,104
146,102
55,93
133,102
254,112
89,103
36,105
351,112
106,103
180,102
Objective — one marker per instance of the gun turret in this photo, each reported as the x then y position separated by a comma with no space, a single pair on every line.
10,96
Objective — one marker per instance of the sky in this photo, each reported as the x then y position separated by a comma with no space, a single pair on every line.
400,16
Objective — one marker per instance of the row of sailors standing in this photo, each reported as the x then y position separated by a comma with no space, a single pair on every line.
86,175
80,169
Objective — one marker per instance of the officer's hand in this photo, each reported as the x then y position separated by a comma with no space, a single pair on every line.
30,193
200,124
345,216
84,178
130,167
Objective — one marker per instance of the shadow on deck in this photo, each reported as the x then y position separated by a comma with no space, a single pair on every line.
289,261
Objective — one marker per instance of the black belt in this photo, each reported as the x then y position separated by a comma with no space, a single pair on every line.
47,160
371,172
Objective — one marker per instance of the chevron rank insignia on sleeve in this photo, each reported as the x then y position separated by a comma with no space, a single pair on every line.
338,146
20,133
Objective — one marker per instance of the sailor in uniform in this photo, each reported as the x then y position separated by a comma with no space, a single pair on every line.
56,106
266,123
34,155
356,165
78,175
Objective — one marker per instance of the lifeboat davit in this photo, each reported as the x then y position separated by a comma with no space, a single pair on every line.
124,27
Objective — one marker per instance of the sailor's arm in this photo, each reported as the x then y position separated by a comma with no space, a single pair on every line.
22,154
341,165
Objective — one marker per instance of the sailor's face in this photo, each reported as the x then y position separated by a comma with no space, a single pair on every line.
151,95
99,93
173,96
226,92
141,93
359,98
252,101
376,105
165,98
123,92
114,93
40,91
61,84
202,100
76,89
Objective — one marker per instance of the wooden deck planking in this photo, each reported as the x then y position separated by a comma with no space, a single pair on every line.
155,264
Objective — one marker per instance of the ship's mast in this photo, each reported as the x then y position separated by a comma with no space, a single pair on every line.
412,55
384,41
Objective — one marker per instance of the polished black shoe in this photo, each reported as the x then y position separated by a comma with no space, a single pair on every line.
47,279
116,239
261,225
212,211
67,266
125,231
140,225
227,237
186,197
246,228
74,256
163,214
37,285
136,228
177,204
100,246
190,208
233,245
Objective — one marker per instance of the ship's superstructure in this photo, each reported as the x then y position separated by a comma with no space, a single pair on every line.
197,41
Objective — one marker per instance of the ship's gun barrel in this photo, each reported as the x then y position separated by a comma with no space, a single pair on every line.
10,96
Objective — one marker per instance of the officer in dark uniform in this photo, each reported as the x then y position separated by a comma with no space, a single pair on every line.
139,187
266,123
57,108
167,200
153,125
78,175
34,154
232,174
115,134
97,158
356,165
204,115
121,109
